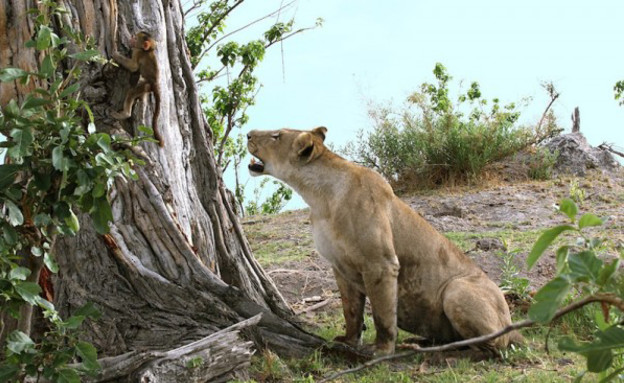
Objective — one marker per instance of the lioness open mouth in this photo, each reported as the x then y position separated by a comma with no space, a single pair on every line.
256,165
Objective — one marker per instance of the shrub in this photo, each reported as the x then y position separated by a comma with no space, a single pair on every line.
434,141
541,164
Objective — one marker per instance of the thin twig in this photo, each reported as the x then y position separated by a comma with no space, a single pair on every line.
414,349
315,306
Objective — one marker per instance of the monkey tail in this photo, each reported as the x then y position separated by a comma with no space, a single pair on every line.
156,116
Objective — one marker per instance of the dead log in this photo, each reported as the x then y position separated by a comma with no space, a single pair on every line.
217,357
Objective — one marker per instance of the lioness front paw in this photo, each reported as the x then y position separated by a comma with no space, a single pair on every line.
350,341
384,349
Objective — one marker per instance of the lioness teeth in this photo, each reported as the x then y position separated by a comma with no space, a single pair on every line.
256,165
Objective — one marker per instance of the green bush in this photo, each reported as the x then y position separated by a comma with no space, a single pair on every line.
541,164
434,140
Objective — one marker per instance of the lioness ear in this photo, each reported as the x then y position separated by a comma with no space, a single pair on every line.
304,145
320,131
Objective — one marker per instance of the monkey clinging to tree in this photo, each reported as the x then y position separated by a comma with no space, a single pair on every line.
144,60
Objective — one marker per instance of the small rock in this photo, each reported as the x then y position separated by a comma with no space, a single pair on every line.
487,244
449,209
565,362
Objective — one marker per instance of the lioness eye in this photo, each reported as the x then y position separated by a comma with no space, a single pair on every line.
275,136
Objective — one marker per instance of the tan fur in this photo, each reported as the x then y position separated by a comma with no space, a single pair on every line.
144,61
381,249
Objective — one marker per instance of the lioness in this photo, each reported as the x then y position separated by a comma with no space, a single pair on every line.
380,248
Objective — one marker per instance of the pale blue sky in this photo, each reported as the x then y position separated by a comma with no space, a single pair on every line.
383,50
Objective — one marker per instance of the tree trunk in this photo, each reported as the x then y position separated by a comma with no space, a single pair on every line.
176,266
576,120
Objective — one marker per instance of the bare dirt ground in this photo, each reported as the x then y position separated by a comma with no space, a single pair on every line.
486,222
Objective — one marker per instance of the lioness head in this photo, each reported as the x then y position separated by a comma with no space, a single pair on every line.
281,152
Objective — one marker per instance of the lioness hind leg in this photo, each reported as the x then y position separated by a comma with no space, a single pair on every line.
353,309
477,308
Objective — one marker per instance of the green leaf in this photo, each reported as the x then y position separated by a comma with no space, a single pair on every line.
12,109
611,338
89,311
42,220
19,273
47,67
568,207
9,234
588,220
548,299
69,90
8,372
584,266
88,353
57,158
12,74
43,181
29,291
50,262
33,102
44,37
67,375
74,321
612,375
599,360
36,251
599,354
562,257
607,272
104,142
7,174
62,358
85,55
19,342
72,222
101,214
544,241
103,160
15,214
23,139
13,192
98,190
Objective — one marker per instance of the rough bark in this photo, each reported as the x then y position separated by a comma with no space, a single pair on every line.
176,266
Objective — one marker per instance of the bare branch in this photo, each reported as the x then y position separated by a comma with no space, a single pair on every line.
609,147
552,92
196,5
607,298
